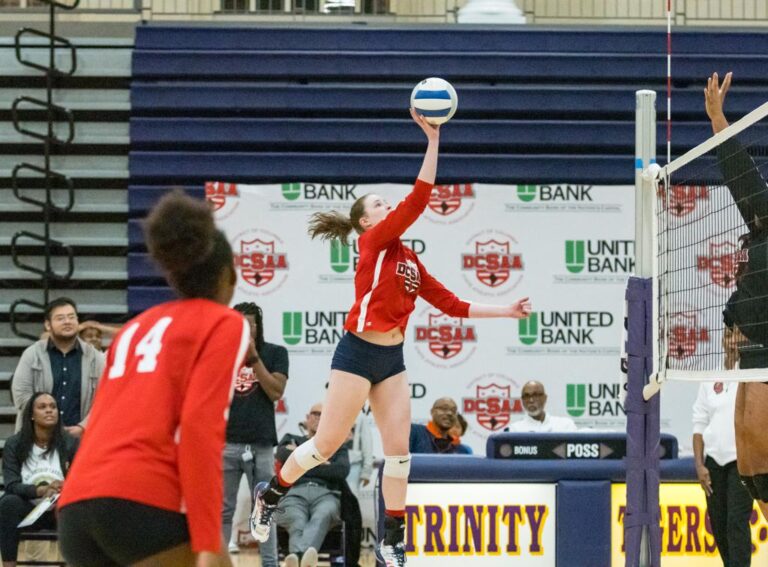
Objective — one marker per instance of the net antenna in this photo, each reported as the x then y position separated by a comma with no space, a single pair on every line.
699,214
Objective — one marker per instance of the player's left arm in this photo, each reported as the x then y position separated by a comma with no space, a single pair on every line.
201,433
438,295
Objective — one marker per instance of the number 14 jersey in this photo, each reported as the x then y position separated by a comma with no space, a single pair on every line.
155,434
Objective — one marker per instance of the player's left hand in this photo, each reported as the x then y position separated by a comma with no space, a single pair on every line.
521,308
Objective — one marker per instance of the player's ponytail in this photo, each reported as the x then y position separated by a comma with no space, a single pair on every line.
332,225
183,239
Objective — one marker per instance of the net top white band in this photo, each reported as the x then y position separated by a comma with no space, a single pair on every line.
737,127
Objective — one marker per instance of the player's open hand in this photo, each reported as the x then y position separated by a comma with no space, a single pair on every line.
521,308
432,131
714,99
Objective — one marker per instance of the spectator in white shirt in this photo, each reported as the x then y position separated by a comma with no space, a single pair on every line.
537,420
714,447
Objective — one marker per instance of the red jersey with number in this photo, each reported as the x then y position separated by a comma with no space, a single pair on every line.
155,434
389,275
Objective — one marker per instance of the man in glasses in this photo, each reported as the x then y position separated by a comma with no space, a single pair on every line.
537,420
435,437
60,364
313,506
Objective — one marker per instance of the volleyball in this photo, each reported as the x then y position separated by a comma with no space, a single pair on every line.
435,99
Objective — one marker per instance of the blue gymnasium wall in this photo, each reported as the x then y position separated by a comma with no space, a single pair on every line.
259,105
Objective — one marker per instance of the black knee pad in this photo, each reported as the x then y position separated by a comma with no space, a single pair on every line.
757,486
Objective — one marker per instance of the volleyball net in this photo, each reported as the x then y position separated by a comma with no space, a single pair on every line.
710,257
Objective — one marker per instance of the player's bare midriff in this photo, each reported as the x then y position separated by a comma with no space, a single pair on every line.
383,338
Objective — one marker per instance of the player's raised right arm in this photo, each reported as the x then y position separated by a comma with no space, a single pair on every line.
410,208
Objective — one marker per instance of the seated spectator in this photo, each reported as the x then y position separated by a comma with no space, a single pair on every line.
35,462
435,437
313,505
534,400
458,430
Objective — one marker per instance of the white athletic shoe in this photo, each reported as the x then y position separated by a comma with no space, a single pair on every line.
291,560
391,555
233,548
261,517
309,559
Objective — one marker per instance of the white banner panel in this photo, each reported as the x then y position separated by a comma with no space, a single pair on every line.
568,247
482,524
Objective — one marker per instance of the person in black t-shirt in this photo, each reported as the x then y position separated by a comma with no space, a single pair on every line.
746,311
251,432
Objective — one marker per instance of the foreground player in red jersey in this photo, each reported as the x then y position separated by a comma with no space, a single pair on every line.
146,486
368,362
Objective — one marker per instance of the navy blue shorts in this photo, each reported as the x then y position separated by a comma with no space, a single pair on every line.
373,362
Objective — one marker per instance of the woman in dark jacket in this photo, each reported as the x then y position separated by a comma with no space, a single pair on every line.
35,462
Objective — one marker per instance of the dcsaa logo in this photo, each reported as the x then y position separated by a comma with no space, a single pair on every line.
493,406
447,339
719,263
409,271
260,262
222,197
447,199
684,198
493,264
685,334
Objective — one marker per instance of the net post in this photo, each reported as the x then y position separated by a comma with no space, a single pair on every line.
641,521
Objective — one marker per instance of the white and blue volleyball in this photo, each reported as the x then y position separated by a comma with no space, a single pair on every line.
435,99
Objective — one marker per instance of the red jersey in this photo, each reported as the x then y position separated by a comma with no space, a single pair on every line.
390,276
155,433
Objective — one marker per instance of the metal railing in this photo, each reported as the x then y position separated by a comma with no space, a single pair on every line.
545,12
50,180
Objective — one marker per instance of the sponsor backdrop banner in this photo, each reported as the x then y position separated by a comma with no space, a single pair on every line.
686,533
568,247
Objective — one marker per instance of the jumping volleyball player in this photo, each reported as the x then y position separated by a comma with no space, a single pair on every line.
146,486
747,309
368,362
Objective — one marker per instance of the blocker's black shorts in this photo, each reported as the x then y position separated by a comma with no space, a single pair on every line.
373,362
107,532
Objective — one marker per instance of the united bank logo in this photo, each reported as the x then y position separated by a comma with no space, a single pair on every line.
260,261
315,192
223,198
686,335
313,328
569,328
344,257
576,399
555,193
493,263
596,400
600,256
442,340
718,264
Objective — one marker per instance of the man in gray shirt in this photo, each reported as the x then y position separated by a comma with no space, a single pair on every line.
62,365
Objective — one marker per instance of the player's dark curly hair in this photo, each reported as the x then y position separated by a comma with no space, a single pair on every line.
183,239
332,225
250,308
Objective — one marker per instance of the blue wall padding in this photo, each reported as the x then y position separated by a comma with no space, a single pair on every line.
583,528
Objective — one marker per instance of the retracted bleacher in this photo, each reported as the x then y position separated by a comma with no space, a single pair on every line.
329,104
